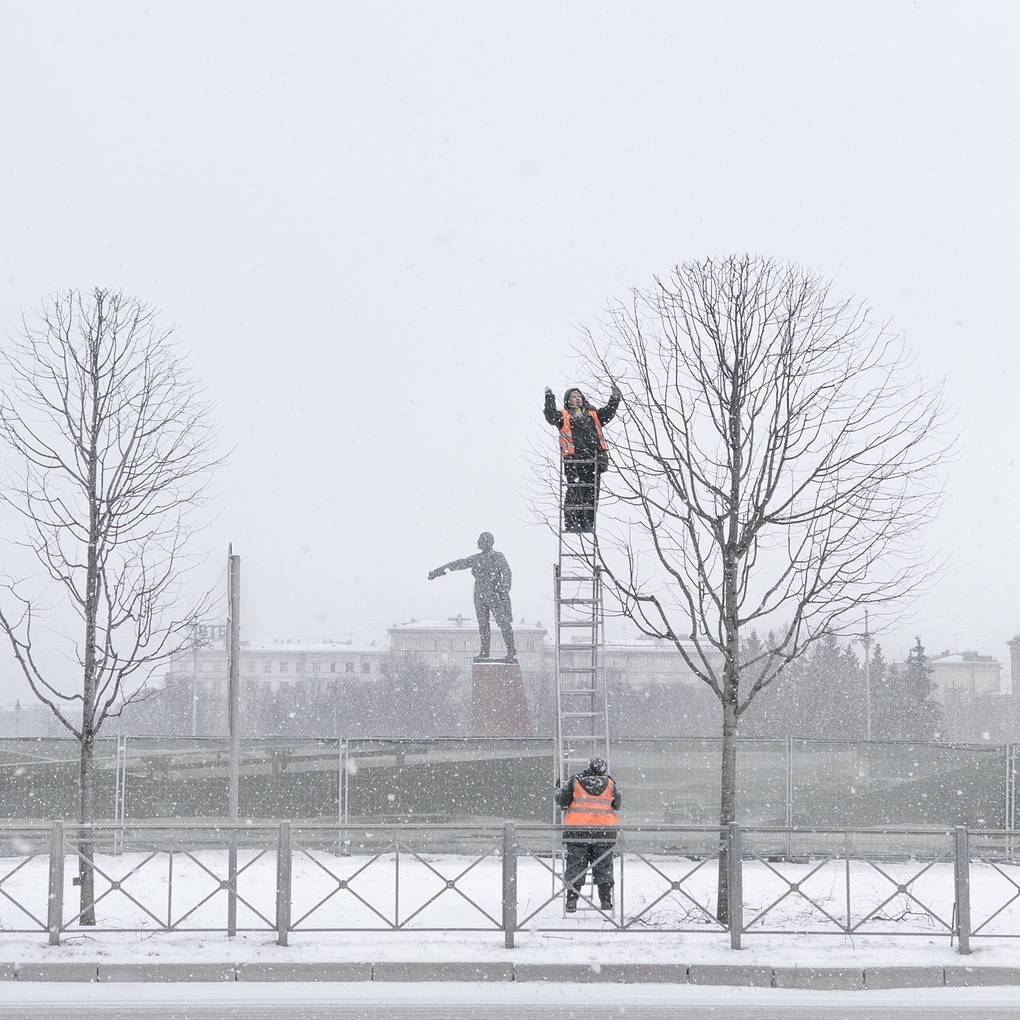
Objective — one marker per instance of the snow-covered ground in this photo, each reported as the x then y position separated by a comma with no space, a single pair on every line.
139,894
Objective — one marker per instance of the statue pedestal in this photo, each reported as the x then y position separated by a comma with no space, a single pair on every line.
498,705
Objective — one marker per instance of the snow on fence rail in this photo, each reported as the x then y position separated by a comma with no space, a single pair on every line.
288,878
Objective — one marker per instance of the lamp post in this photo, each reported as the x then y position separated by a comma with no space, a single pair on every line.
866,641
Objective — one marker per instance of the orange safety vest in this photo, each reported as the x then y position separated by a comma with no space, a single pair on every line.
567,439
591,810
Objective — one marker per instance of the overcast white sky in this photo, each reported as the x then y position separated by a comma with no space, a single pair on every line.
378,227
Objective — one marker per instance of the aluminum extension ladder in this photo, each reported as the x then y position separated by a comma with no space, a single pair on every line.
582,709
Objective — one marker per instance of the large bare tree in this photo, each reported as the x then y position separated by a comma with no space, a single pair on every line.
111,447
774,465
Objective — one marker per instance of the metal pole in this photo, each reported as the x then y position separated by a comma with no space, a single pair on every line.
735,884
509,885
961,874
789,795
233,678
866,641
194,687
55,907
283,884
234,719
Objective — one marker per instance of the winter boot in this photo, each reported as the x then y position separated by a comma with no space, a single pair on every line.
571,905
606,895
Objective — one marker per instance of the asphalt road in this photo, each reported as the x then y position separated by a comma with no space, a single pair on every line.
504,1002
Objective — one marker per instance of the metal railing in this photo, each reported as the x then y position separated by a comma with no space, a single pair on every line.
289,878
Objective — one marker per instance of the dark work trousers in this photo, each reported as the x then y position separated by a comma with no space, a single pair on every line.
499,606
582,494
579,855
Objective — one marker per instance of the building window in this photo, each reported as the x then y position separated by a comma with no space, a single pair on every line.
315,667
348,667
266,667
284,666
366,667
332,667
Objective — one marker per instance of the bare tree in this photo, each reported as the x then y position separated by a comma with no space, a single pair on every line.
112,452
774,465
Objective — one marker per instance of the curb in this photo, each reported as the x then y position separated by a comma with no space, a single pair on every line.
818,978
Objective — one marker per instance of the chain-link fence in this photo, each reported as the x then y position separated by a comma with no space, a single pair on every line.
667,781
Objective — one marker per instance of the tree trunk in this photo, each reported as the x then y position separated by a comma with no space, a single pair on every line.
89,723
86,815
727,802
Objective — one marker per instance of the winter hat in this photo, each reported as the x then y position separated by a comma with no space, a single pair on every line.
597,767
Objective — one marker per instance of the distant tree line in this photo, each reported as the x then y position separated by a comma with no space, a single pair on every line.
821,696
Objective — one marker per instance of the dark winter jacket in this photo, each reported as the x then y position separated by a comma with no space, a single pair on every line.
582,428
595,785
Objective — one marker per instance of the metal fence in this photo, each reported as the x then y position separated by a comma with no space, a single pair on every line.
286,879
675,781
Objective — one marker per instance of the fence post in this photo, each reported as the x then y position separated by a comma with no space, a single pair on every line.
788,797
55,900
961,874
284,873
735,884
231,883
509,885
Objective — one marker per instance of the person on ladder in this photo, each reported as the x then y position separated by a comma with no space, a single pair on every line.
584,450
591,802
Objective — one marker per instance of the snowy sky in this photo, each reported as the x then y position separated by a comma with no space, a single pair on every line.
379,226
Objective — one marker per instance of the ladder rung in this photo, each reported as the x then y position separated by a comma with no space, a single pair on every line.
571,647
577,715
581,690
577,602
590,624
578,669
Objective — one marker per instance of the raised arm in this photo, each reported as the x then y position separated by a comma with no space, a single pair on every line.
553,415
608,413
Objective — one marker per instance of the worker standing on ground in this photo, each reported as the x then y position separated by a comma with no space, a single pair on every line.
584,450
591,802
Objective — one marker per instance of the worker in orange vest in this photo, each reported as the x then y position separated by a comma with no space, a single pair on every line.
584,450
591,802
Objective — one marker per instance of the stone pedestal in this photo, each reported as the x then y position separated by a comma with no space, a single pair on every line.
498,705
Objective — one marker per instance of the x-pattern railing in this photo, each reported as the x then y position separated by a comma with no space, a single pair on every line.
227,884
449,859
675,888
905,889
393,850
1002,844
846,923
40,925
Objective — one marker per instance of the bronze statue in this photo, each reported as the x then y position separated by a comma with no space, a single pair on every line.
492,593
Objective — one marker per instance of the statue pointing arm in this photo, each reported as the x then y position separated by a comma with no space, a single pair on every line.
465,564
